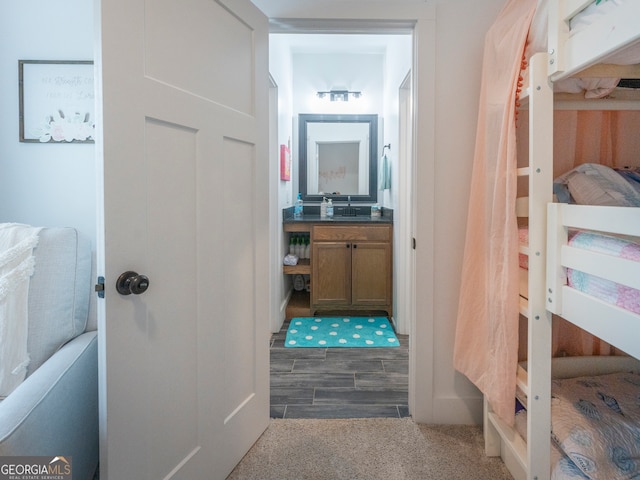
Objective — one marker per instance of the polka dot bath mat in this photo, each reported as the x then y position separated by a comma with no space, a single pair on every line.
340,332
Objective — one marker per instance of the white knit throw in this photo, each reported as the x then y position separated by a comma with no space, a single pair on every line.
17,264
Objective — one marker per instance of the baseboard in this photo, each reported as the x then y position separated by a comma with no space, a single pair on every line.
282,313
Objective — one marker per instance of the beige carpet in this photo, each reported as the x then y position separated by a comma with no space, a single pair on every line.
368,449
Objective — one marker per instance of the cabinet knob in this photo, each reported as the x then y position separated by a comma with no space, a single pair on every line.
355,246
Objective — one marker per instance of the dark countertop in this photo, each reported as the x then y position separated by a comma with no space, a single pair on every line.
311,214
339,219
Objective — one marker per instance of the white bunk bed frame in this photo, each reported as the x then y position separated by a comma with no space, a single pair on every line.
548,257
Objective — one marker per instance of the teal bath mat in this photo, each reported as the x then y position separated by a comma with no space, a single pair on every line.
340,332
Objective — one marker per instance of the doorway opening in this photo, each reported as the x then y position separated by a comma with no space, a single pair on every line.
323,383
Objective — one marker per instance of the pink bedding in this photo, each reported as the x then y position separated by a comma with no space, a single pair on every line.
611,292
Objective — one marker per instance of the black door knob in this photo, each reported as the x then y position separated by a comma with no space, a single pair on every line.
130,282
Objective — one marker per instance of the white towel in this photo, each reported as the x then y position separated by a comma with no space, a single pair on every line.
290,259
17,242
384,175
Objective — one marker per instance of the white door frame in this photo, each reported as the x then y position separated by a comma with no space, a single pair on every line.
377,19
275,214
403,243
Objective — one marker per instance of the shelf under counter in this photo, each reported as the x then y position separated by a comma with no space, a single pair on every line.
303,267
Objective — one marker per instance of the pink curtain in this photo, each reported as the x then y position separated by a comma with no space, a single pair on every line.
595,136
486,342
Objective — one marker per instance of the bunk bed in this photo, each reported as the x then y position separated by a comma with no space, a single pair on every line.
573,48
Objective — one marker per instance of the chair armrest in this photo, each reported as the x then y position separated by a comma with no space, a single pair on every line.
54,412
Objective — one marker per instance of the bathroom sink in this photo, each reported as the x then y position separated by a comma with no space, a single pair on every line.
349,212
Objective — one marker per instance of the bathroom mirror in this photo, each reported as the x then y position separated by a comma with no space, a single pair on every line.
338,157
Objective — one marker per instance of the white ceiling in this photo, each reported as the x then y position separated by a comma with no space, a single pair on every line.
265,5
335,43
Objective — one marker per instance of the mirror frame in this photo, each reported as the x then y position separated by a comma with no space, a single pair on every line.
372,120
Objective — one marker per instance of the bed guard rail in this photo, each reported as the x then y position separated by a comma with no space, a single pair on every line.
560,256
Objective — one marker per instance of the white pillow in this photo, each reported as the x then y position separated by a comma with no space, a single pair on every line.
594,184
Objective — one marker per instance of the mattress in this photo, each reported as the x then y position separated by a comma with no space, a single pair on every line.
595,425
593,87
606,290
611,292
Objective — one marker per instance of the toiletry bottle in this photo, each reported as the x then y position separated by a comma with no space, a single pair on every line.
376,211
299,248
292,245
323,208
307,247
330,209
297,208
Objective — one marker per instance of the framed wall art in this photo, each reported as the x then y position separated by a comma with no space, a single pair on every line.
57,101
285,163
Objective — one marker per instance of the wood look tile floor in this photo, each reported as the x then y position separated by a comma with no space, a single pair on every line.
338,382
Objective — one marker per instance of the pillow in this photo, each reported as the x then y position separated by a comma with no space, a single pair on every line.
594,184
632,176
596,423
562,193
591,87
59,292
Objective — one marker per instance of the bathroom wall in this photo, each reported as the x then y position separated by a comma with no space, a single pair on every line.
314,72
302,65
301,71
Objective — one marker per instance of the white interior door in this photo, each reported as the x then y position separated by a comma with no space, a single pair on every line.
184,140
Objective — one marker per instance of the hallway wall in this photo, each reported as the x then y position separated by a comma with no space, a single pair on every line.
461,26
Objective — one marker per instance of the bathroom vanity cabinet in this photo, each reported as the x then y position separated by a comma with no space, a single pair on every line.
351,266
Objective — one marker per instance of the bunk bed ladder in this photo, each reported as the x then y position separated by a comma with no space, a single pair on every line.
531,459
539,319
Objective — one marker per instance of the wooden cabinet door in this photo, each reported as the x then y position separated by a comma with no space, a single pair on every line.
331,273
371,273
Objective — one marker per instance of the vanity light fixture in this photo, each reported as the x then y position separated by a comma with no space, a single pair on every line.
339,95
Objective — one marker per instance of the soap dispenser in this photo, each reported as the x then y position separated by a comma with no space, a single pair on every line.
323,208
330,209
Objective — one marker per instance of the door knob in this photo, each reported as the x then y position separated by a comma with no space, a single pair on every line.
130,282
